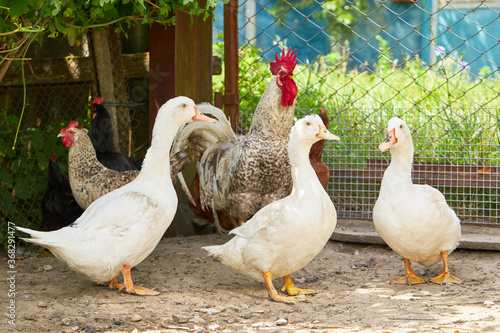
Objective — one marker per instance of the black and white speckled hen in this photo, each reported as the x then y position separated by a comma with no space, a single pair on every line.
242,174
102,136
59,207
89,179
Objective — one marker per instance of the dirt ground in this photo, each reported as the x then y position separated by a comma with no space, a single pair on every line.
199,294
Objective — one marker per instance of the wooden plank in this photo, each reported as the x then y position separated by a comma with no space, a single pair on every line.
193,54
474,236
231,94
434,174
79,69
105,77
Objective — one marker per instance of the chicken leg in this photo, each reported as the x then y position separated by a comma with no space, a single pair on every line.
410,277
446,276
268,277
129,286
292,290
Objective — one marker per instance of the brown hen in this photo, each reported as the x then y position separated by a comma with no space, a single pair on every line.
322,170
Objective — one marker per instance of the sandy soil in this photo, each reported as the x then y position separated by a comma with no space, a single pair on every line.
199,294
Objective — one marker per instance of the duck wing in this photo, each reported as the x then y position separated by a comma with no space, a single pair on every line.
120,210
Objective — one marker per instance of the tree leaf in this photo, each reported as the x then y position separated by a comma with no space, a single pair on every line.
141,2
16,7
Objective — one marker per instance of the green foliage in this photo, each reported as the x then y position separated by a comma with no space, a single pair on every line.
23,170
73,18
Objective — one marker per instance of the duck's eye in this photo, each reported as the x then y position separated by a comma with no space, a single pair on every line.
308,123
183,105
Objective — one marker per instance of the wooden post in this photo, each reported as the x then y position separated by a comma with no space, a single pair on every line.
193,78
231,94
161,69
193,54
104,71
124,138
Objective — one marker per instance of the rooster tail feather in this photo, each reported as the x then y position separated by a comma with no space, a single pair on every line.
201,135
184,186
206,141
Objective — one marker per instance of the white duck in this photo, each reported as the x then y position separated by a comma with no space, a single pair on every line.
414,220
120,229
287,234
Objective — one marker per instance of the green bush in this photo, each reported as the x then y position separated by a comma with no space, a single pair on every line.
23,170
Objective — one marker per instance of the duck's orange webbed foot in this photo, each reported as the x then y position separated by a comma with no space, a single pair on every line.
292,290
129,286
113,284
445,276
268,277
410,277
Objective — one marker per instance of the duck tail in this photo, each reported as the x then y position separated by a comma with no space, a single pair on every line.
214,250
37,237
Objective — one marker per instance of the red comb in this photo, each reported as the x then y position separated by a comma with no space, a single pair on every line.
54,157
97,100
72,124
323,111
286,64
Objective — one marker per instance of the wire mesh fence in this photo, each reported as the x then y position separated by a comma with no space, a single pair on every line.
433,63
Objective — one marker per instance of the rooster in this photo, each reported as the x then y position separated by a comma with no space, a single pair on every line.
59,207
242,174
102,136
89,179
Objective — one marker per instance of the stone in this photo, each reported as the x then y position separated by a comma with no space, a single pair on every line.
89,328
47,268
213,327
42,304
209,311
281,322
136,317
66,321
180,319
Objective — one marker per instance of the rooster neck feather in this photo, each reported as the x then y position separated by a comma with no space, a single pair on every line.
270,116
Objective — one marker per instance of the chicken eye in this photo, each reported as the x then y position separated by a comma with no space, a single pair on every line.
183,105
308,123
401,126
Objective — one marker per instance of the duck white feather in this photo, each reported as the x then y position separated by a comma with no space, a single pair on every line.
414,220
121,228
285,235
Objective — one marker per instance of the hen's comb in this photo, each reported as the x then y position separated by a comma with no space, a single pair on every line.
287,62
54,157
323,111
72,124
97,100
